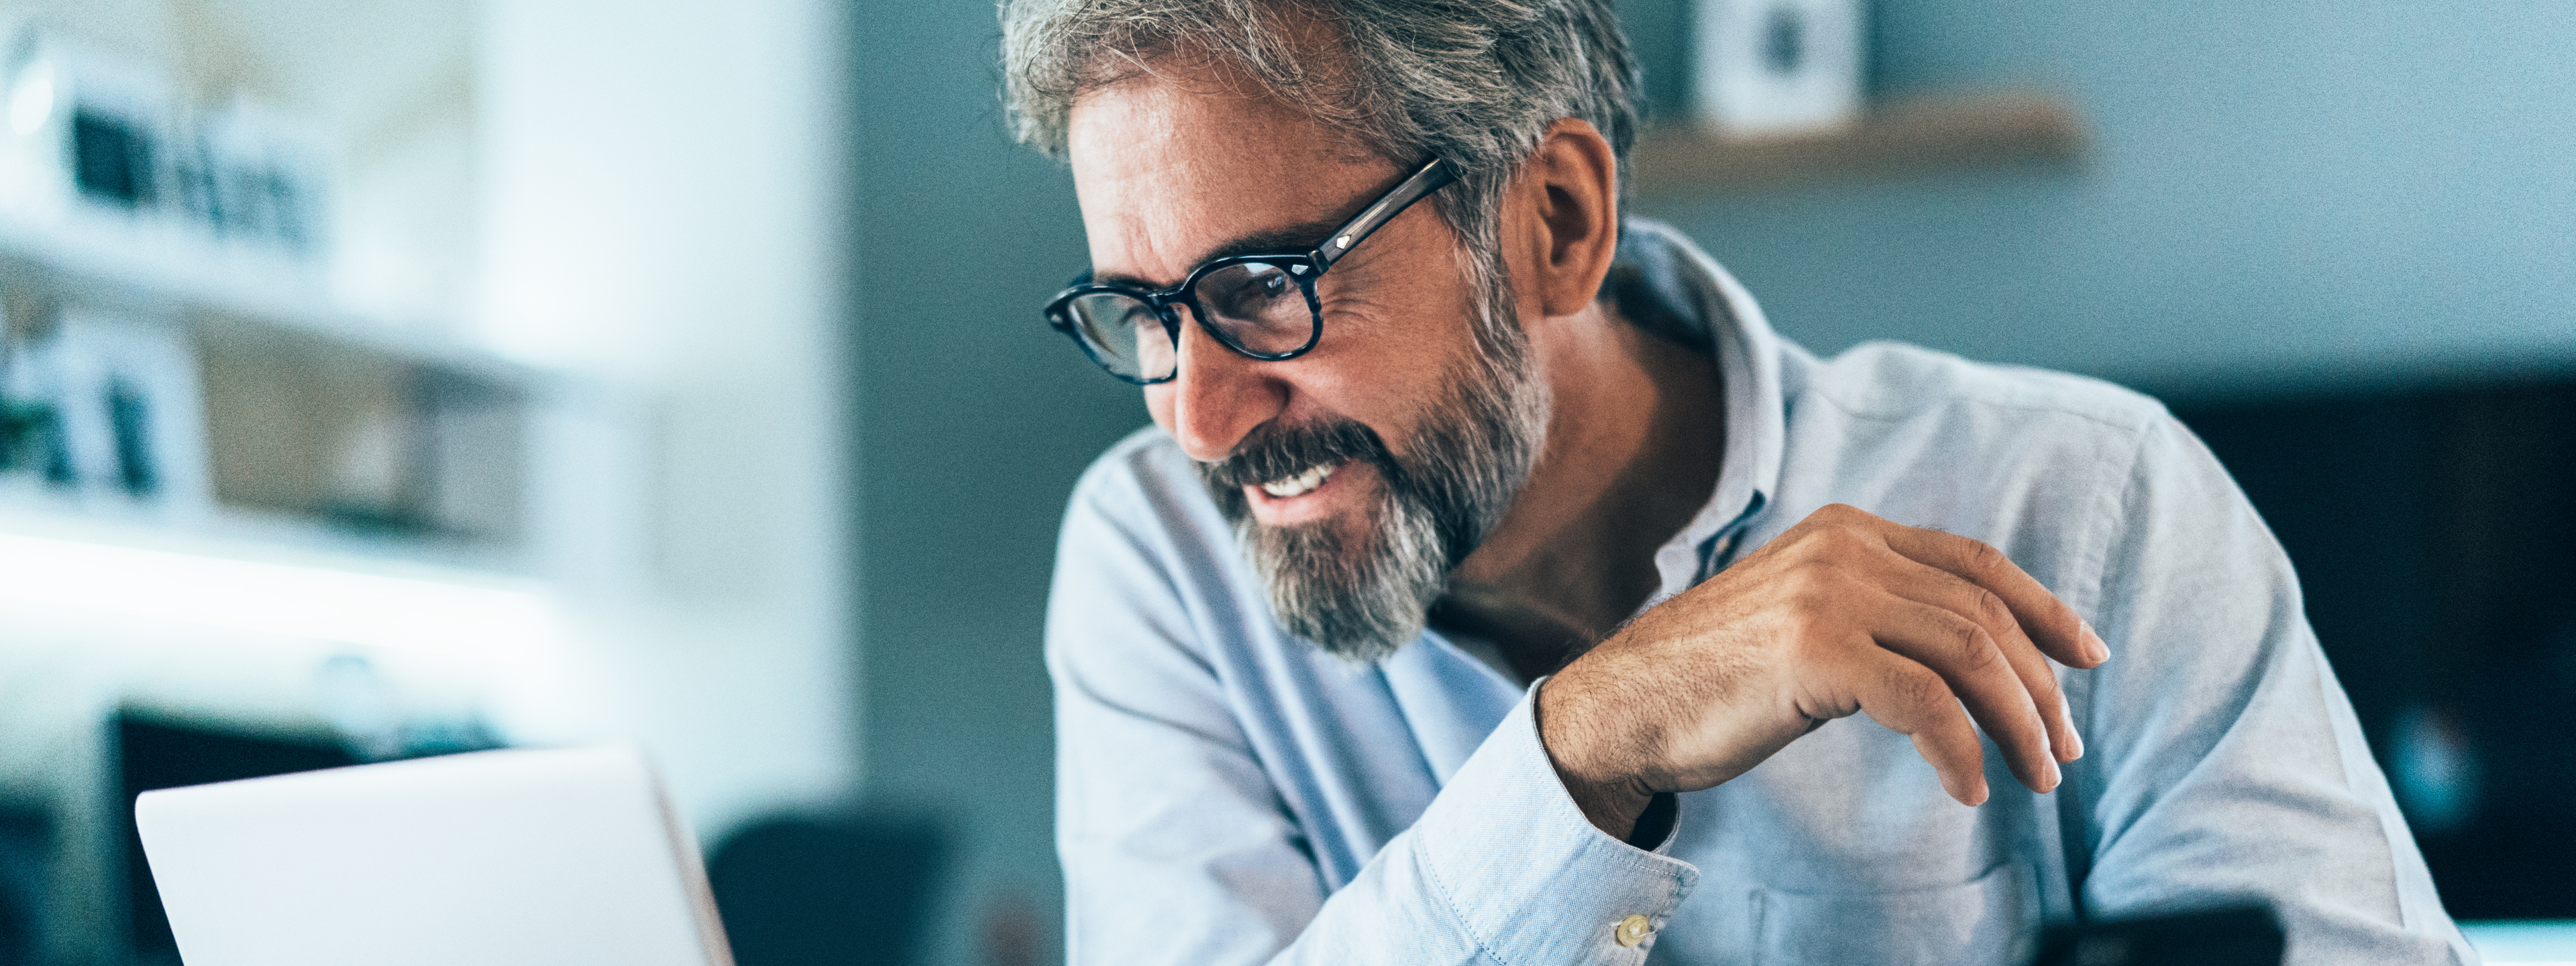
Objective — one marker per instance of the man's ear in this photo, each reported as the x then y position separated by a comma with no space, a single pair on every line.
1570,192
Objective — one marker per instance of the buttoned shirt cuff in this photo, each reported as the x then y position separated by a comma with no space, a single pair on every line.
1531,879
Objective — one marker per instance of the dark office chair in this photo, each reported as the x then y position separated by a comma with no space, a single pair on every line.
825,891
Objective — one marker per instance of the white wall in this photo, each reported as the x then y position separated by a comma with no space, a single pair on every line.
660,215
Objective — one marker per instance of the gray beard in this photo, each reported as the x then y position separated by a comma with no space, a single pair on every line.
1363,597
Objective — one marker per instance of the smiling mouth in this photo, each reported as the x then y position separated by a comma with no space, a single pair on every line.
1300,484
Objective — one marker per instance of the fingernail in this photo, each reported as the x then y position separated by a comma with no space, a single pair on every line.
2093,642
2074,739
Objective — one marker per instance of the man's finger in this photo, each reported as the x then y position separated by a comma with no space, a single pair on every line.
2050,623
1940,588
1974,668
1912,700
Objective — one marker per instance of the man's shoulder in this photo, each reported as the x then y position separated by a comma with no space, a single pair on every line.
1897,382
2030,459
1140,456
1145,482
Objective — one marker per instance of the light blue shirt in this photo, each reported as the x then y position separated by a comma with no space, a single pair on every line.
1228,794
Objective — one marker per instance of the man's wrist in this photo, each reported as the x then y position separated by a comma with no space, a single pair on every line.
1613,802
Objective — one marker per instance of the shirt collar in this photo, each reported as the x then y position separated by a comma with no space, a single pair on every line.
1673,288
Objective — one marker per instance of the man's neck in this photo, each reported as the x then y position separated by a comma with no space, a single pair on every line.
1633,449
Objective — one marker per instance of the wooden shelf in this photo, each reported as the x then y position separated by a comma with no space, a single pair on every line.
1899,137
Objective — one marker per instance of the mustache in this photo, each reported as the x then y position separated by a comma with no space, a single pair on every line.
1287,452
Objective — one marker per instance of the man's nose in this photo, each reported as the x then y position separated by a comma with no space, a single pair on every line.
1219,397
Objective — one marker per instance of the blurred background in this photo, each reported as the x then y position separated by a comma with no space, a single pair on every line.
383,379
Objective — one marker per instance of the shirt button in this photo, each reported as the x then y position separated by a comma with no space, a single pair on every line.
1632,930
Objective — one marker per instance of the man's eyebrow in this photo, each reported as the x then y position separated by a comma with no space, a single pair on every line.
1300,238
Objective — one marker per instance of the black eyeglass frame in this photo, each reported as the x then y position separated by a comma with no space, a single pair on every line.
1305,267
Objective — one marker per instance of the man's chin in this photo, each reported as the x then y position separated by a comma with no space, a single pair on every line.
1358,587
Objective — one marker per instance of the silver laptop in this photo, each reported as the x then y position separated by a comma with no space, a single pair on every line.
501,858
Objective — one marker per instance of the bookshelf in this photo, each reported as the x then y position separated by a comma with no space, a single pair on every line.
239,494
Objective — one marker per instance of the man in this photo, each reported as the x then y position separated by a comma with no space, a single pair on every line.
1495,587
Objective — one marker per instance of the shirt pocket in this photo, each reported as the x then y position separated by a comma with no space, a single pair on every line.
1989,922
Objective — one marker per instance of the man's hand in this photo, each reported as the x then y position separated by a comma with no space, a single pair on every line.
1845,612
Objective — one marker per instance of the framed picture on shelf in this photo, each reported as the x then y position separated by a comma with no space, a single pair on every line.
1779,68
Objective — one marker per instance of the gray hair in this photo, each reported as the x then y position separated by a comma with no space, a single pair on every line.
1474,82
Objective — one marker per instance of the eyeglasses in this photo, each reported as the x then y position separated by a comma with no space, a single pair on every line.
1245,301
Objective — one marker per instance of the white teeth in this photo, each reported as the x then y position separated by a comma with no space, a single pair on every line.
1299,484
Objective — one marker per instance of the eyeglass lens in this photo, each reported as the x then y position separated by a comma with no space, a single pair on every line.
1124,335
1254,307
1257,308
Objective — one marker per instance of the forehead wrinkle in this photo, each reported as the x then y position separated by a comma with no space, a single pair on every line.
1140,181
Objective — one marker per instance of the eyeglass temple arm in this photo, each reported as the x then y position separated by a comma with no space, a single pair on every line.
1433,176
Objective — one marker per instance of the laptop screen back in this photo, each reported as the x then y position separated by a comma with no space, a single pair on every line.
556,857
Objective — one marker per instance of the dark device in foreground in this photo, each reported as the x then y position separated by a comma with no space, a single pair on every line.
2248,935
